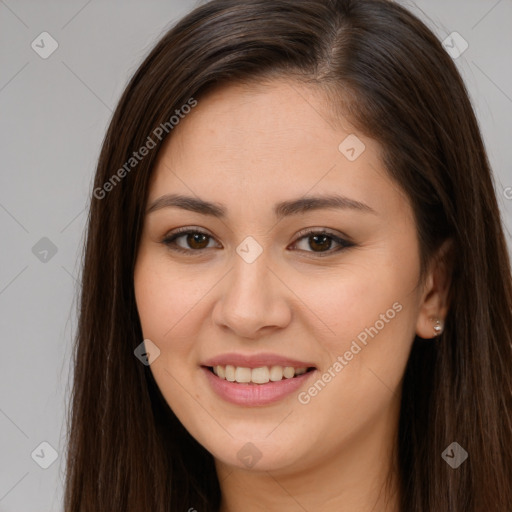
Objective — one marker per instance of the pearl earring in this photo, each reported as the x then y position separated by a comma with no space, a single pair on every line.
438,327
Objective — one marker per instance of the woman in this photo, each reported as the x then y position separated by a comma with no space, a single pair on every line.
296,288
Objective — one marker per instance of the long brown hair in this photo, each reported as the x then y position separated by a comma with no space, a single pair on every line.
388,72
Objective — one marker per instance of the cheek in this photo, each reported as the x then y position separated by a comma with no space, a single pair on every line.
346,306
363,361
368,317
167,304
166,300
171,305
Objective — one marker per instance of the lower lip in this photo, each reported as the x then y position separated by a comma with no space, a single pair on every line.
251,394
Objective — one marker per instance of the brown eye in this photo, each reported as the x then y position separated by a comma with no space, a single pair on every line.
194,241
321,242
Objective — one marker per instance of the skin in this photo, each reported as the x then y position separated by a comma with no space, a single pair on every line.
248,147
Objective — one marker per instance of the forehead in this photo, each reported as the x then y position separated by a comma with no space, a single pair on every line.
244,142
260,118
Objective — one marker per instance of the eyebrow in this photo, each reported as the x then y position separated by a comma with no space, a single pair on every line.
282,209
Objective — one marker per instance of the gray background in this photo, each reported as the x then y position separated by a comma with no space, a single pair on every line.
54,113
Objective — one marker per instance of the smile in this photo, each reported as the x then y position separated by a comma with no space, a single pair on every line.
248,393
261,375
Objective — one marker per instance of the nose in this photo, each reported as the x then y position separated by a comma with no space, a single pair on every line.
253,300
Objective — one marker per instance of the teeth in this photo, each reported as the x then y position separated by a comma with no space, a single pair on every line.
242,374
288,372
276,373
260,375
229,373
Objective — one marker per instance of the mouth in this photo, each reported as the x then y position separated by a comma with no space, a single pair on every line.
260,375
259,386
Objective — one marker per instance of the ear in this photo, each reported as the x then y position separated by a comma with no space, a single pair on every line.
435,298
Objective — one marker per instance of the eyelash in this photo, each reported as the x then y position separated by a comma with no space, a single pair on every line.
170,239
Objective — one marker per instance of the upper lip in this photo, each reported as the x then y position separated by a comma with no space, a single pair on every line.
255,361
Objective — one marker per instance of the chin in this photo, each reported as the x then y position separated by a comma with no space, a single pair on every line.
253,452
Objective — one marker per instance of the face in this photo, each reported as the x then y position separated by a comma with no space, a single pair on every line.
315,302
